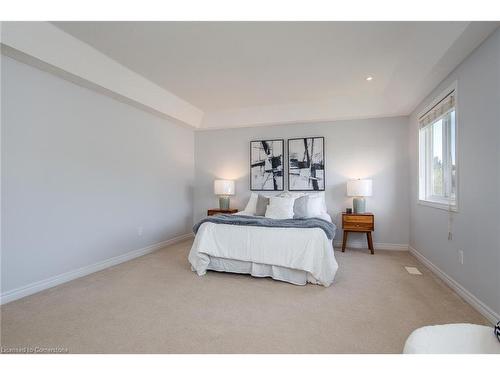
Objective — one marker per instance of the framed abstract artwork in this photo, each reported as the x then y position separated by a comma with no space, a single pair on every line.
266,165
306,164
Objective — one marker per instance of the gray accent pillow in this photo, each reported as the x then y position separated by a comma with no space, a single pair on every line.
300,207
262,203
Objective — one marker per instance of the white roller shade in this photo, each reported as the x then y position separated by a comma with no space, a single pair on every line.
444,106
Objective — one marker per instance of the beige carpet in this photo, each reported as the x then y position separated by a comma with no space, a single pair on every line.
155,304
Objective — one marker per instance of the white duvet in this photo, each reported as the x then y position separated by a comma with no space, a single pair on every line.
305,249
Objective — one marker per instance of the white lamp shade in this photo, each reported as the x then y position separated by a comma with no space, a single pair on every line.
223,187
359,188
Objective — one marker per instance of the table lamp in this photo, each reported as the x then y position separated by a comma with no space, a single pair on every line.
224,188
359,189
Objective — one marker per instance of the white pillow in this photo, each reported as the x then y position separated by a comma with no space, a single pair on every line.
282,202
290,194
251,206
279,212
298,194
321,197
282,207
314,206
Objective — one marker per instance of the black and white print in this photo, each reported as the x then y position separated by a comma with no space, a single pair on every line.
266,165
306,164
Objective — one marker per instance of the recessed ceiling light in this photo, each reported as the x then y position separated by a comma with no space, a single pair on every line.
369,78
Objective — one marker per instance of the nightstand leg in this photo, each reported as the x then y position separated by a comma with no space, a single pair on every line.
344,240
370,242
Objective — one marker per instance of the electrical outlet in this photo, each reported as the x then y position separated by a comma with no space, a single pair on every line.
461,256
139,231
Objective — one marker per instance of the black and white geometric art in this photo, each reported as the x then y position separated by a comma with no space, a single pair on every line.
306,164
266,165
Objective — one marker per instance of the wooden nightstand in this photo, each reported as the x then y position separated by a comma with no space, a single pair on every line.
364,223
216,211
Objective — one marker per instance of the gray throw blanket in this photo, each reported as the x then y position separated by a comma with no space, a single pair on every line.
259,221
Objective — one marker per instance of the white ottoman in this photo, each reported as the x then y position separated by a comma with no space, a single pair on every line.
453,339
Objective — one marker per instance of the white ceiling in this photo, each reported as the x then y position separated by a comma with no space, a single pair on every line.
228,69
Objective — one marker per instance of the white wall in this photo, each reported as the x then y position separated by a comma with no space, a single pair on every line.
375,148
80,173
476,226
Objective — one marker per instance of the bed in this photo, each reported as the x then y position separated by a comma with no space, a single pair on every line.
297,255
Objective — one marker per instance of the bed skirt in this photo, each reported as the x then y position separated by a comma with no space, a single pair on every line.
297,277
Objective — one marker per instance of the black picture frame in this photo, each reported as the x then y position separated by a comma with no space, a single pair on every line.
301,145
275,166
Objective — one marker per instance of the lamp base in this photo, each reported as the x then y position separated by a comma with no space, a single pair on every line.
224,203
359,205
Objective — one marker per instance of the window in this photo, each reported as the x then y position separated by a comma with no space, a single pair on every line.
437,154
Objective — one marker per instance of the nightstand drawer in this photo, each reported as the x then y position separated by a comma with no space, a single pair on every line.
358,226
358,219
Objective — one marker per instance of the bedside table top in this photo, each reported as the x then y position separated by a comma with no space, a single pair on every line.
214,211
363,214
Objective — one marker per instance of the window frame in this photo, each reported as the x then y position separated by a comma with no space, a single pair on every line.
437,201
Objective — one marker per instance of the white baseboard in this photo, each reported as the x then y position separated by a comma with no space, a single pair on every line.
481,307
38,286
376,245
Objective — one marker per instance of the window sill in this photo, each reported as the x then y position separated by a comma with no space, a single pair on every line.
438,205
